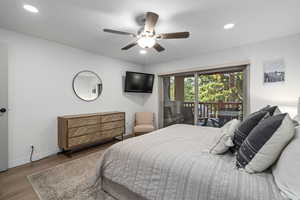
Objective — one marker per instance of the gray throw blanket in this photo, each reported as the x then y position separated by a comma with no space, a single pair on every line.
173,164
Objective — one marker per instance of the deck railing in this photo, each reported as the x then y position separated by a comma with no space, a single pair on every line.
214,109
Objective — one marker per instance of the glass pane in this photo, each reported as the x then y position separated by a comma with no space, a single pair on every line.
189,89
220,98
179,98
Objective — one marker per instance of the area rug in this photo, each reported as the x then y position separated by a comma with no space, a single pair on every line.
71,180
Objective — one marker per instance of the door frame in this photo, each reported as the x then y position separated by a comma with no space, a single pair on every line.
243,66
160,118
4,104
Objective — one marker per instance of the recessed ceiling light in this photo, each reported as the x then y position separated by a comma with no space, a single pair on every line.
143,51
229,26
30,8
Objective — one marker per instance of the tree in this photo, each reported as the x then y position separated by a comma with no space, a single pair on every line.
226,87
189,89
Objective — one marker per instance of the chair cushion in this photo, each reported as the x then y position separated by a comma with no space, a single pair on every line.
143,128
144,118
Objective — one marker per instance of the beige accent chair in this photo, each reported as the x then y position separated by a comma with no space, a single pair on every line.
144,123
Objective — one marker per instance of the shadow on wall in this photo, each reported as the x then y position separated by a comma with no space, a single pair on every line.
138,98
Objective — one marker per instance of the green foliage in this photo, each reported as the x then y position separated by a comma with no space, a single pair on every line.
189,89
225,87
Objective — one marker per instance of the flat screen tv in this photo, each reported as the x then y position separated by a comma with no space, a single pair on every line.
139,82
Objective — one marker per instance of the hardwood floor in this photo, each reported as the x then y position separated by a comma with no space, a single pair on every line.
14,184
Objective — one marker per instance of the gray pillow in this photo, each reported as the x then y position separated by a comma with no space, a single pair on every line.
265,143
246,127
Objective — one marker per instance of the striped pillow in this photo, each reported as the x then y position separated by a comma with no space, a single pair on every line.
241,133
265,143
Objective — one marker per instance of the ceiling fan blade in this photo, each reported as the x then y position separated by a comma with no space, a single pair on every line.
178,35
158,47
118,32
129,46
151,20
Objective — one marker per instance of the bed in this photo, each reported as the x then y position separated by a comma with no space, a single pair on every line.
173,163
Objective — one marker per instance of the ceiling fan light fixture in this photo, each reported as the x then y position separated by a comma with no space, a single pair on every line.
146,36
146,42
143,51
30,8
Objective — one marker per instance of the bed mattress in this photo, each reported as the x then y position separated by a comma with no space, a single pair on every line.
173,163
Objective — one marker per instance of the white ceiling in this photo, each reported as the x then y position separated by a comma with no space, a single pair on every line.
78,23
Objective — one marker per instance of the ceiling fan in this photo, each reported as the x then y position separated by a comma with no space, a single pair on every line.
146,37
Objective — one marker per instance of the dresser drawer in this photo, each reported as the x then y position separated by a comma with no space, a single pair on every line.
94,137
83,130
113,117
112,125
80,140
84,121
113,132
85,139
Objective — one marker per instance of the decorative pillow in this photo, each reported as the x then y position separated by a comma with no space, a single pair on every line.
265,143
223,142
273,110
286,171
241,133
296,120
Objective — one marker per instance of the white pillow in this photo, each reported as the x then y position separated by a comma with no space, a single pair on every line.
223,142
286,171
296,120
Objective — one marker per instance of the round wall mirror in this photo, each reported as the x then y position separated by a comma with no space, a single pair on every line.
87,85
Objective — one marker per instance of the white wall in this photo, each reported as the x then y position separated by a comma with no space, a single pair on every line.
260,94
40,89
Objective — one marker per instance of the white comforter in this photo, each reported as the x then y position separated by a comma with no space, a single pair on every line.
172,163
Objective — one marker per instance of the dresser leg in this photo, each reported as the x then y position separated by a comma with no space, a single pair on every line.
67,153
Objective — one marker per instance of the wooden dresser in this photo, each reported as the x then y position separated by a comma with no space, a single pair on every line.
79,130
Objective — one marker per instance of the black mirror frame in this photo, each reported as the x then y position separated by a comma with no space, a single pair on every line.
98,85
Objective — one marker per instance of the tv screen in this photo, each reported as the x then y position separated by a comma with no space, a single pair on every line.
139,82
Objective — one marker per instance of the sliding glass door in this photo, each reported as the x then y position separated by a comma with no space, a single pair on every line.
205,98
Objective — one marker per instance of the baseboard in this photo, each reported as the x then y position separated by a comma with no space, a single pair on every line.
26,159
40,155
